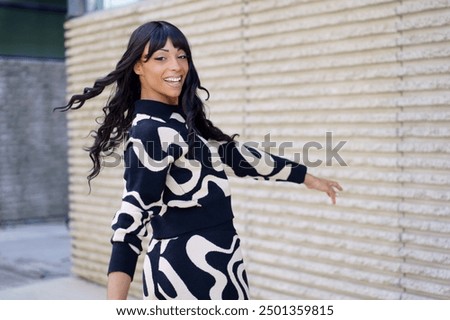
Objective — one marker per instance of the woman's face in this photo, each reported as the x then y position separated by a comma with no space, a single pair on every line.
163,74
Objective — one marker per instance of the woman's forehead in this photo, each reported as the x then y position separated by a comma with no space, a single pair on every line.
168,46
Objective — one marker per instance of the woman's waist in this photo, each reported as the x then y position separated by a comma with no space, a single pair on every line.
178,220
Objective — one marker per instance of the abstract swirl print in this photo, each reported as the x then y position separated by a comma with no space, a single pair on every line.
203,265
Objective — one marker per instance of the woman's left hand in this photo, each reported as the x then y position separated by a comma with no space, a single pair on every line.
331,188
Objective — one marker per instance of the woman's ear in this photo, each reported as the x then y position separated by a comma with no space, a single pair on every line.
138,68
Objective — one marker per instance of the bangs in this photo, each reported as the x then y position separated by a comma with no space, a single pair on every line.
160,35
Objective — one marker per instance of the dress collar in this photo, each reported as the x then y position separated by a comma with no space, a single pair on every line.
157,109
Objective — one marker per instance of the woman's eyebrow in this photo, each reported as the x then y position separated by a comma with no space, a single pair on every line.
167,50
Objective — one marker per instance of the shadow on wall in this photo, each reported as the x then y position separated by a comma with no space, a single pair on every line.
33,141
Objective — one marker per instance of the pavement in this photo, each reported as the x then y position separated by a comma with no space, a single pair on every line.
35,265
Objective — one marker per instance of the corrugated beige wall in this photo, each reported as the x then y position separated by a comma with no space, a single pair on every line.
375,73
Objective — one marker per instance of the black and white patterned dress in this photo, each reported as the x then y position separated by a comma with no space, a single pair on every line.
194,252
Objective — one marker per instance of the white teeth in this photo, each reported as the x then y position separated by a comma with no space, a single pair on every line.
178,79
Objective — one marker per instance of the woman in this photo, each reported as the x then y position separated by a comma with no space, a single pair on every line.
174,174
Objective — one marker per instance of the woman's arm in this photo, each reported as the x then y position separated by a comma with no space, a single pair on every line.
327,186
146,166
118,286
248,161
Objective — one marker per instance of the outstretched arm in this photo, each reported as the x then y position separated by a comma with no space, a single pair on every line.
327,186
246,160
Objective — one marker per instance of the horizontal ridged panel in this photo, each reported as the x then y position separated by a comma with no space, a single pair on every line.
376,75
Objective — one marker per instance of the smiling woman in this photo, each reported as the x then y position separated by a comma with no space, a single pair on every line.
172,183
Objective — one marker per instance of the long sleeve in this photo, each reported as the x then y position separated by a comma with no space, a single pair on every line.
149,153
248,161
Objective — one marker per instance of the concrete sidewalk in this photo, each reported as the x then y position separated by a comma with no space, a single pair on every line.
67,288
35,264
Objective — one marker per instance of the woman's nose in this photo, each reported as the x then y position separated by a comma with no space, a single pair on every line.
175,64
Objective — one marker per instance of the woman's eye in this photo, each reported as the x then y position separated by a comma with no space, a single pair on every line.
183,56
160,58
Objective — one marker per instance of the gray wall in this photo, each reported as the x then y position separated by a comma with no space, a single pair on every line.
33,141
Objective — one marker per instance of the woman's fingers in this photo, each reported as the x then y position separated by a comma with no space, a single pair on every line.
331,192
332,195
335,185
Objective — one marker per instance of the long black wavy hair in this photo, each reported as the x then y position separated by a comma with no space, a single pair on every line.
118,111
